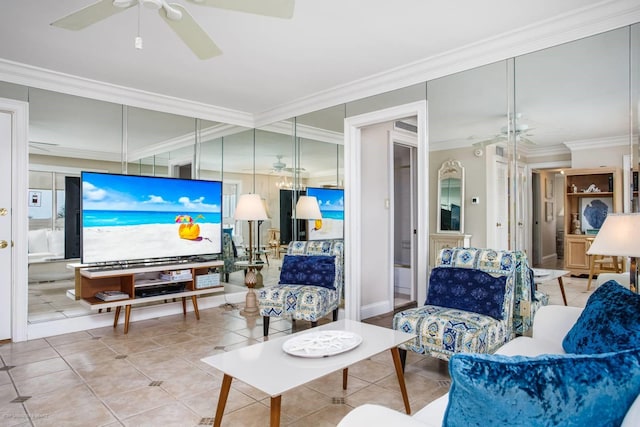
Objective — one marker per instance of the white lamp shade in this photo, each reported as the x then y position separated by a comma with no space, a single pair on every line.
618,236
308,208
250,208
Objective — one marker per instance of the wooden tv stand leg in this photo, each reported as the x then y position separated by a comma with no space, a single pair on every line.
184,306
194,300
116,317
127,316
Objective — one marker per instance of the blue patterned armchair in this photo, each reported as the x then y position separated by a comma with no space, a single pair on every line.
471,303
311,283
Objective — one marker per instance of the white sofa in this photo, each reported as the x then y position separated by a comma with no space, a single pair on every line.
550,326
46,256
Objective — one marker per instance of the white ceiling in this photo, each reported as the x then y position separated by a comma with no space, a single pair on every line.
335,51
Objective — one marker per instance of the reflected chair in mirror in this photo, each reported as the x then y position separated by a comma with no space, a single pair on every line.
471,304
310,286
273,242
230,256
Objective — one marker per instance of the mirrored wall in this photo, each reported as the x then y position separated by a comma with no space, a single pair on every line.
513,125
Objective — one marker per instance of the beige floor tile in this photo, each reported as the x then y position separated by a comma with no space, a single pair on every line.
13,415
376,394
35,369
75,396
172,415
48,382
328,416
134,402
27,357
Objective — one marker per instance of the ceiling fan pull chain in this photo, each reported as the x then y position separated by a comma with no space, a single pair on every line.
138,41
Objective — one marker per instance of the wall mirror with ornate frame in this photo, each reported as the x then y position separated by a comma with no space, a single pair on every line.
451,197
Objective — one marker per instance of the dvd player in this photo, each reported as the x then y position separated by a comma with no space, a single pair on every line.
155,290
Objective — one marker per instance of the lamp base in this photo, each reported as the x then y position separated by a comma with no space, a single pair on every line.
251,302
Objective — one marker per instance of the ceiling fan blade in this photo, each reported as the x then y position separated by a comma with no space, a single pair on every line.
526,141
191,33
90,15
275,8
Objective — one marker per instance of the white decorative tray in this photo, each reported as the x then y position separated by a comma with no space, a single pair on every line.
537,272
322,343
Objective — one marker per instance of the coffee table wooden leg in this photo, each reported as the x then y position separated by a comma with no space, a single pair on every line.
116,317
222,399
194,300
345,375
275,411
403,388
127,316
564,297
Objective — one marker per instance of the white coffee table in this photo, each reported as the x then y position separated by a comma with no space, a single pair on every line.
268,368
541,275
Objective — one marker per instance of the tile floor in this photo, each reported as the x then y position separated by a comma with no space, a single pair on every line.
153,376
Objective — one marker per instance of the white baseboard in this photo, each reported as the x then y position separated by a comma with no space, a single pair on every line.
375,309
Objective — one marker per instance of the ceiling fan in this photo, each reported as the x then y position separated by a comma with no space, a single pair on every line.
521,131
177,17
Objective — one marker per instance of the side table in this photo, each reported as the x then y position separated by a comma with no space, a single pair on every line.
543,275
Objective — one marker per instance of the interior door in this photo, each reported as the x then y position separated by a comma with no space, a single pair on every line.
5,227
498,207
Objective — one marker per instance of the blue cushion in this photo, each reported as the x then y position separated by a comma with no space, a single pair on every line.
467,289
315,270
609,322
567,390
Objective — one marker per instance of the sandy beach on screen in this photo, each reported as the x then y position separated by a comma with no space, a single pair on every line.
331,229
146,241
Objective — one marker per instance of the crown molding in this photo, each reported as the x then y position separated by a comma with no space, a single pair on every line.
17,73
286,127
185,140
604,16
543,151
597,143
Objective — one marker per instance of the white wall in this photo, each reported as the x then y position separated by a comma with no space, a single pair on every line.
376,246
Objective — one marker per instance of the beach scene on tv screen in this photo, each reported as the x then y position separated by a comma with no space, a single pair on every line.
128,217
331,202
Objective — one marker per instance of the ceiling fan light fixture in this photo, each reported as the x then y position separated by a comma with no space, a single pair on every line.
124,3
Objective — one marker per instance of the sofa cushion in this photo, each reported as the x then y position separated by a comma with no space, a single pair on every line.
467,289
609,322
314,270
579,390
38,241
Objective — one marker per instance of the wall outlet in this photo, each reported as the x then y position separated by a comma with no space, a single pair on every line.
475,200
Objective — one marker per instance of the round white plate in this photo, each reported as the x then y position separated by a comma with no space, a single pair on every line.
321,343
540,273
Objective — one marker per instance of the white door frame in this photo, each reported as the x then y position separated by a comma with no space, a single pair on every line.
410,141
353,196
18,149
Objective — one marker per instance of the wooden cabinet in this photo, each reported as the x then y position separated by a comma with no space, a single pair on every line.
588,193
441,241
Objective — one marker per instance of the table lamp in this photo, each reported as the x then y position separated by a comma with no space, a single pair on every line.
620,236
308,208
250,208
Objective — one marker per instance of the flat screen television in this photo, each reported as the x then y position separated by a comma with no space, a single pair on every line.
331,202
127,218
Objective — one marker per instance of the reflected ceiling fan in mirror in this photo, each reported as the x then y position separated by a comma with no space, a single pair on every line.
521,131
177,17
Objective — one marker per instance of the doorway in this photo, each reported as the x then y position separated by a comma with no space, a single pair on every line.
403,219
367,239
